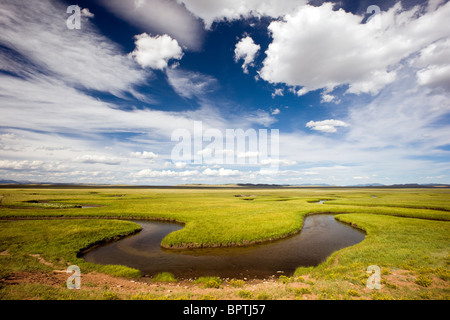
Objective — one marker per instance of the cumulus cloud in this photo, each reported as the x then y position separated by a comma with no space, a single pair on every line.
435,76
85,12
21,165
434,65
144,155
328,98
326,125
155,52
246,49
219,10
278,92
343,51
221,172
180,165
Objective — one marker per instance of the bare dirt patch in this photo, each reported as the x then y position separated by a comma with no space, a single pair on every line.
42,260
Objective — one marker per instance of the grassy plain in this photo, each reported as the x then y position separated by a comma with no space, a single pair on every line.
407,237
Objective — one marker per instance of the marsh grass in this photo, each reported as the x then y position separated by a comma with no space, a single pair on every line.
58,242
164,277
417,246
209,282
407,229
245,294
237,283
211,216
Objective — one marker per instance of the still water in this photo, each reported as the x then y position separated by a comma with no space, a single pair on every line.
321,236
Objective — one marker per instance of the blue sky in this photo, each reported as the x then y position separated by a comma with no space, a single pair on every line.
357,96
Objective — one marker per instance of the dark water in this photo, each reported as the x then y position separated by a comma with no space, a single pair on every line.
321,235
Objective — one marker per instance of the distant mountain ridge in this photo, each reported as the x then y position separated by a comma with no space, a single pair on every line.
242,185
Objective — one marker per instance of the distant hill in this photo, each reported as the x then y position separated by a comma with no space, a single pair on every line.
416,185
9,182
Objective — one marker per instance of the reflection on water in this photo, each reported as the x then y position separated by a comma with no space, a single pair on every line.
321,235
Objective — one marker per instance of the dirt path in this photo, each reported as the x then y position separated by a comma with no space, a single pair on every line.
97,284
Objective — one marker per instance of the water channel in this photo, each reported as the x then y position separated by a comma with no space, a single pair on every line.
320,236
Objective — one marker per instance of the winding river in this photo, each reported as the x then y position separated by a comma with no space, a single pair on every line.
321,236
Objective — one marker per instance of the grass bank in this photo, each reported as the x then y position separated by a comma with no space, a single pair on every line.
25,244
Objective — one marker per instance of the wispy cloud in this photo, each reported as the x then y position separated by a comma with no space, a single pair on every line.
81,58
92,158
189,84
160,17
219,10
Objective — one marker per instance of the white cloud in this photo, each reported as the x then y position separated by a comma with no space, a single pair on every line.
219,10
435,76
246,50
276,111
144,155
259,117
248,154
309,173
180,165
86,13
403,117
221,172
399,134
326,125
49,105
434,4
278,92
149,173
434,65
21,165
342,51
278,162
82,58
190,84
92,159
216,155
155,52
403,127
160,17
64,128
328,98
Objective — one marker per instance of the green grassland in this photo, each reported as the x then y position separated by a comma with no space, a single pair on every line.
407,229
